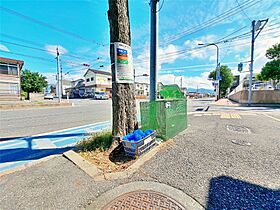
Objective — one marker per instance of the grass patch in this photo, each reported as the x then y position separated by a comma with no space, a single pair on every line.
101,141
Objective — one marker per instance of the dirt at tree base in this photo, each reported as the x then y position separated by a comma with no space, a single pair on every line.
109,162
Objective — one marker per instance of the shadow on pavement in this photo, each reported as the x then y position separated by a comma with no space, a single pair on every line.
49,136
228,193
21,154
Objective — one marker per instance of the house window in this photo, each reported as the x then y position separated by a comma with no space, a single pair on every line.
10,69
3,68
13,70
87,79
91,79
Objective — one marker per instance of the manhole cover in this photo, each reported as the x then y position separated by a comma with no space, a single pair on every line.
143,199
238,129
241,142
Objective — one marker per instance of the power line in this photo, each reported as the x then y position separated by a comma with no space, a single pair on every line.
34,20
30,56
212,21
243,11
40,49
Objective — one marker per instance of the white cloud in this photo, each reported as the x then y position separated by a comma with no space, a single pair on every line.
4,48
200,81
52,49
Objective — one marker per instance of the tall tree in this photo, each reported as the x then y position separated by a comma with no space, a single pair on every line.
123,98
227,79
271,70
32,81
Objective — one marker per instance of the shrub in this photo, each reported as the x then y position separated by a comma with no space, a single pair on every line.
101,141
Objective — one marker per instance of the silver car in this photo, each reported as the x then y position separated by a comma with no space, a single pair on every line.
101,95
48,96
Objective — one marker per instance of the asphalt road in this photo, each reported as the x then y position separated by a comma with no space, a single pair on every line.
224,160
26,122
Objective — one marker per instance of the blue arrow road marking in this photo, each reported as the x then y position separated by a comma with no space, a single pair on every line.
22,150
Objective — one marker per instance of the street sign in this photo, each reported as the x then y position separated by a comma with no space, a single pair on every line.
123,63
240,67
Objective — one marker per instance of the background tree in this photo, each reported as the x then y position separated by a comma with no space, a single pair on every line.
273,52
259,77
227,79
271,70
32,81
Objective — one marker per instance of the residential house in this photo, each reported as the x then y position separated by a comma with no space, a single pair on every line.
142,89
98,81
77,89
10,88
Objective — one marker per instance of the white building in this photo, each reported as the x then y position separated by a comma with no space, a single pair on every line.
142,89
98,81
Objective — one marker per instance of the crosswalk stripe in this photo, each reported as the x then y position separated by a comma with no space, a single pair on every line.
235,116
225,115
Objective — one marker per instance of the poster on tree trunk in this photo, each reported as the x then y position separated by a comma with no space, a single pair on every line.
123,63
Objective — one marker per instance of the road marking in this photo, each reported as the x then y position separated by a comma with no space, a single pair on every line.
225,115
235,116
197,115
271,117
15,152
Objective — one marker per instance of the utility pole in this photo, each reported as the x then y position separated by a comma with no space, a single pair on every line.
58,75
255,27
251,63
181,82
61,82
123,98
153,48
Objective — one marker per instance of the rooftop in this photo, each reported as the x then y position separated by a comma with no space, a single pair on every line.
99,72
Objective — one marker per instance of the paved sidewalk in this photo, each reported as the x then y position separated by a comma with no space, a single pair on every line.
211,162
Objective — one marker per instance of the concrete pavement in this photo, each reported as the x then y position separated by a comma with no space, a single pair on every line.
210,161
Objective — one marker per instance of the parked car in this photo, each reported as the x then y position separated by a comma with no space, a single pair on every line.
48,96
101,95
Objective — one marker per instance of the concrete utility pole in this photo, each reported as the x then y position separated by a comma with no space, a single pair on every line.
58,75
251,63
123,98
153,49
61,82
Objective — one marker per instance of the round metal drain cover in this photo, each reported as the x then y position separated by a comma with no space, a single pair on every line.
144,199
238,129
241,142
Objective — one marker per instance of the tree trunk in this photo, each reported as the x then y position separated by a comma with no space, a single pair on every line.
123,99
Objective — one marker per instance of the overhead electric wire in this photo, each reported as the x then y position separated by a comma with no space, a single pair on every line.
30,56
40,49
212,21
243,10
34,20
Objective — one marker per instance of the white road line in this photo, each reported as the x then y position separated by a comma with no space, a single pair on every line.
271,117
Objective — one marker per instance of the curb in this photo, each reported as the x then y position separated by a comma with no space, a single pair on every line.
97,175
178,195
28,106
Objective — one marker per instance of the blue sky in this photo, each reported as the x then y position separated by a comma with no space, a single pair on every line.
88,19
